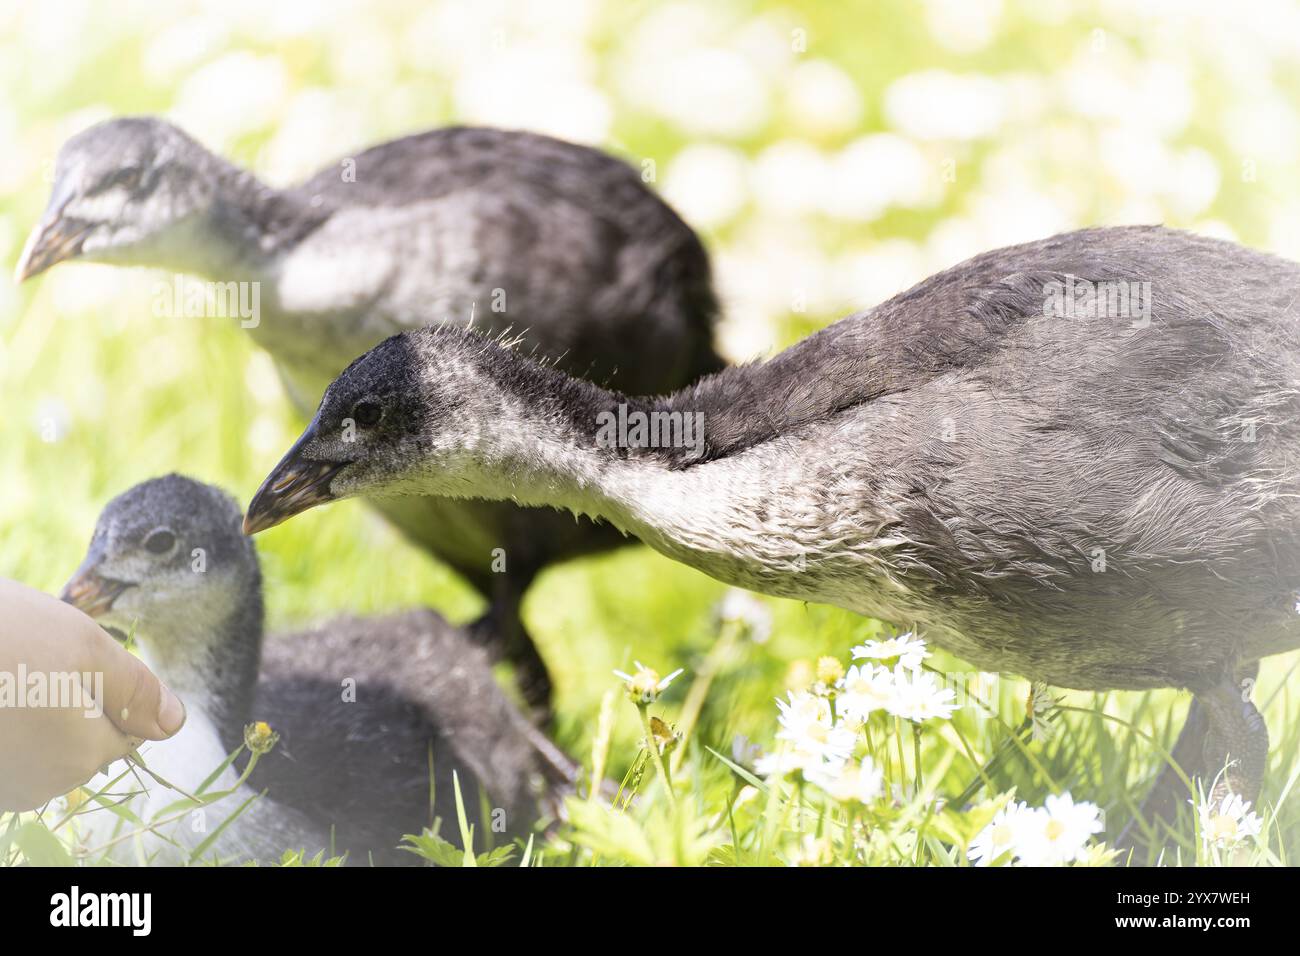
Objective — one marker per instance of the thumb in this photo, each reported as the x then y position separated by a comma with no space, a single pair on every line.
134,699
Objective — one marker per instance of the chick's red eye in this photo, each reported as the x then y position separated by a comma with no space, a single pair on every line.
159,542
367,414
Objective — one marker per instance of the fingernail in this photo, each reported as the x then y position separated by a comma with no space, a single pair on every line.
171,712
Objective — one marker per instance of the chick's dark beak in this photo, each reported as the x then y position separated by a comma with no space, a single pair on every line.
54,239
297,484
91,593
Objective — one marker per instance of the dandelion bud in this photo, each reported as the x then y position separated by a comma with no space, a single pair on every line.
260,738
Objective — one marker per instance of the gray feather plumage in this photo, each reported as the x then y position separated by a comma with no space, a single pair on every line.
959,456
366,707
590,269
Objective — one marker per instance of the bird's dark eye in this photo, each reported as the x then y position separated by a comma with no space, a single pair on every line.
367,414
128,178
160,541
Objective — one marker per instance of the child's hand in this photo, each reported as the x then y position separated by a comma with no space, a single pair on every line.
47,750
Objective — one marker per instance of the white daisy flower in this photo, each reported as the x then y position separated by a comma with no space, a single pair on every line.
784,761
908,649
862,782
1057,833
864,689
999,837
798,711
1230,824
645,686
806,722
744,608
810,735
918,696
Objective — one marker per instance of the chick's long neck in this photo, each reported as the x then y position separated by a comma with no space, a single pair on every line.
214,670
239,236
562,442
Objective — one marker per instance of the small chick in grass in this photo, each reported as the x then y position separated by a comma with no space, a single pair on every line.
559,245
361,706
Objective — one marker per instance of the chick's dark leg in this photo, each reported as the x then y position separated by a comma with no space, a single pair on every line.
531,675
1170,792
1235,752
502,631
1223,729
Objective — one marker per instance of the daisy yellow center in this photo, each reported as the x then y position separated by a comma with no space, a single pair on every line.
1055,829
1223,827
829,670
644,682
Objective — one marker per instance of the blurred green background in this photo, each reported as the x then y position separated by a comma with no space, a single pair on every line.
830,153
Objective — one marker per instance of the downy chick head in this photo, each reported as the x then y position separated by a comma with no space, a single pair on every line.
417,414
130,190
167,561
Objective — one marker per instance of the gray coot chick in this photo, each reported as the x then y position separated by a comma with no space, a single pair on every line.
1098,498
362,705
561,243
